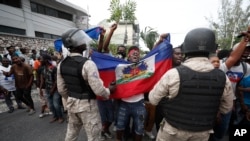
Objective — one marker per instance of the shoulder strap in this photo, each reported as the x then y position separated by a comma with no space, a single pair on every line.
244,66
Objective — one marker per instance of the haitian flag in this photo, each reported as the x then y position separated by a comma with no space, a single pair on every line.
93,33
134,78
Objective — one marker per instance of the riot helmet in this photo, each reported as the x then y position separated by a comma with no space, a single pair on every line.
75,37
199,40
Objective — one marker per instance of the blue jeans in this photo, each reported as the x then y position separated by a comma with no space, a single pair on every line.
55,104
106,109
221,129
136,111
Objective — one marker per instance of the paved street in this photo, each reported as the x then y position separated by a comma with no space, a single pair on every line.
19,126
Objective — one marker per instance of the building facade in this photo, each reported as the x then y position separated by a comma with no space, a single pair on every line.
37,23
127,33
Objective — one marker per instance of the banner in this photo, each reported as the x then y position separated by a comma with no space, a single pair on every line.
134,78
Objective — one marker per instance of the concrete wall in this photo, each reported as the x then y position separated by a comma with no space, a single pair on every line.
22,41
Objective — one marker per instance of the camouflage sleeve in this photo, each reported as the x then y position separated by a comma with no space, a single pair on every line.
60,83
167,86
91,74
227,98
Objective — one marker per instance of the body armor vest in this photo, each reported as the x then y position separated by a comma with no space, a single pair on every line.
71,71
197,103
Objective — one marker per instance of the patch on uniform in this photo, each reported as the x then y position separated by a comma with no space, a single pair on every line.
95,75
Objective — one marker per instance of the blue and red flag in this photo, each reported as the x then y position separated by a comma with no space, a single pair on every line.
93,33
132,79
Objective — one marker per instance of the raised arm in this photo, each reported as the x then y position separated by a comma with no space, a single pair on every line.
162,37
107,40
101,40
237,52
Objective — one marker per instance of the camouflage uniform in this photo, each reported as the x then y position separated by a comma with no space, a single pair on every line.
83,113
168,87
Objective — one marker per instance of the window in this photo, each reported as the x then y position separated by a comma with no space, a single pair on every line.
51,12
12,30
64,15
33,7
38,8
46,35
14,3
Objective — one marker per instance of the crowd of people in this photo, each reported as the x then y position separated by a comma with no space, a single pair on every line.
204,94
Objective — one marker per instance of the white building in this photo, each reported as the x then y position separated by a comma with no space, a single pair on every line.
120,33
35,24
40,18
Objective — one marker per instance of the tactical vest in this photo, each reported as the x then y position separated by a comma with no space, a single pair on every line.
71,71
197,103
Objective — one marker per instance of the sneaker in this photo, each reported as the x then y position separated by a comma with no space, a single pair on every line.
150,135
50,113
60,120
53,120
42,115
32,112
11,110
108,135
28,110
102,136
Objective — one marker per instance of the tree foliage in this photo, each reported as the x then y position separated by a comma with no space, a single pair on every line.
125,12
115,9
149,37
233,17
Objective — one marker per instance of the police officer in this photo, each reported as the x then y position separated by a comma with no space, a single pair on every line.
78,81
196,92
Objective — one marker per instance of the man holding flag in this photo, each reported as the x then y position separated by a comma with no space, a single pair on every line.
131,107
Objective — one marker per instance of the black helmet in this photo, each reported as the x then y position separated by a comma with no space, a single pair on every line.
199,40
75,37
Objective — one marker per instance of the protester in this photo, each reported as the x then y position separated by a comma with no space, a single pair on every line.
23,82
11,51
78,81
41,89
214,60
24,54
189,113
106,107
235,70
8,83
48,77
131,107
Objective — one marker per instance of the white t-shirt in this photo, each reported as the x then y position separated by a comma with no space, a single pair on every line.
134,98
7,82
235,73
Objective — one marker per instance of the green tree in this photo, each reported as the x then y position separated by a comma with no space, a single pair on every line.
149,37
233,17
122,12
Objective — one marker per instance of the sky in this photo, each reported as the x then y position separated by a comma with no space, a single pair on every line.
176,17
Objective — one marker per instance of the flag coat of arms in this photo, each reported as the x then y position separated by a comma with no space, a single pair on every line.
134,78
